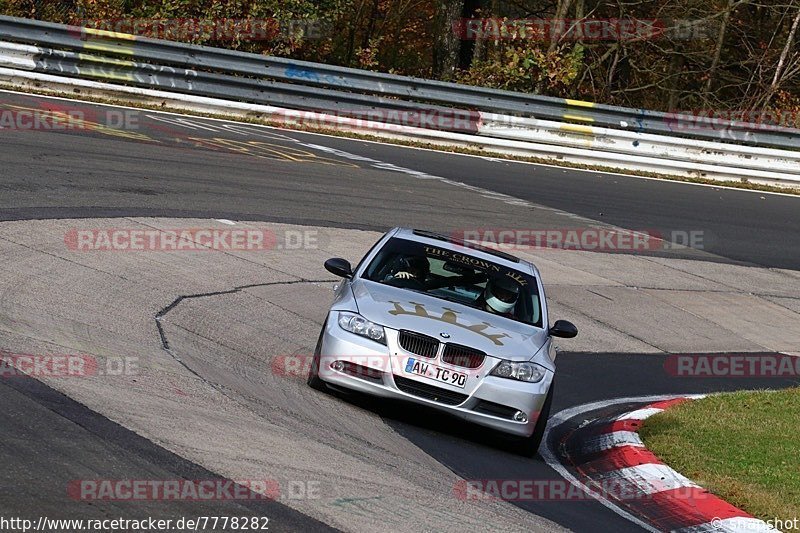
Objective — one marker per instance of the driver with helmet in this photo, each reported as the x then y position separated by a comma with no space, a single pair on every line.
500,296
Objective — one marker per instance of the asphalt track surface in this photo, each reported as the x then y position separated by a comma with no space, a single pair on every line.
185,170
740,226
174,170
50,440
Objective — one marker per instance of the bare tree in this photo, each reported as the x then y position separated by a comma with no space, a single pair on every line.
723,28
780,70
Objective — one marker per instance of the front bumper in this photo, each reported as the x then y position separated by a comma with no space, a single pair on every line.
488,401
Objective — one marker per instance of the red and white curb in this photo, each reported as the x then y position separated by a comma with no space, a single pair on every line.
607,452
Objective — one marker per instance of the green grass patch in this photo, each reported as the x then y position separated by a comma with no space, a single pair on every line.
742,446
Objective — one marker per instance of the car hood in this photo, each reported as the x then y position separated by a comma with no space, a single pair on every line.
398,308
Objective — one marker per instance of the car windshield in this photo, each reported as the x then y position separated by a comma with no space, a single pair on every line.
457,276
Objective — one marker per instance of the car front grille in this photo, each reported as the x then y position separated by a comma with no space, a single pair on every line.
462,356
419,344
429,392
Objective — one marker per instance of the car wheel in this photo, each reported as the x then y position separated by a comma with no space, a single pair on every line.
314,380
529,446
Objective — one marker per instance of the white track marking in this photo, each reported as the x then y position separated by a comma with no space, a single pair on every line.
649,478
551,458
640,414
607,441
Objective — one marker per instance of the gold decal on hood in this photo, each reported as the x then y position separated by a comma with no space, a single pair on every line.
449,316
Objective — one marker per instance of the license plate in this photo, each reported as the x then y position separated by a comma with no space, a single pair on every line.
436,373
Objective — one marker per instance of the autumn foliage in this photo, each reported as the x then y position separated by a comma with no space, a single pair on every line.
705,54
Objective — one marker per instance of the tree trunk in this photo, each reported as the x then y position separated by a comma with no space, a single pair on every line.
446,43
675,67
485,47
776,79
469,46
371,26
351,37
718,50
561,13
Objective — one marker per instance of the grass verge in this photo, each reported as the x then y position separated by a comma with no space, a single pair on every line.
743,447
735,184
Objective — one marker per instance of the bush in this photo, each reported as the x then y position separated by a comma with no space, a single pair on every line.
522,69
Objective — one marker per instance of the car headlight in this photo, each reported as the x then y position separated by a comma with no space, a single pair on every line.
529,372
361,326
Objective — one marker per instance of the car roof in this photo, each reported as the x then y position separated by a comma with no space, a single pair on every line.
451,242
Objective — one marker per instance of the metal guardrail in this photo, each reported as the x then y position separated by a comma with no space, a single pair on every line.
200,82
501,121
346,89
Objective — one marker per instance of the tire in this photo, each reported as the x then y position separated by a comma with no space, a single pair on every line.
314,380
529,446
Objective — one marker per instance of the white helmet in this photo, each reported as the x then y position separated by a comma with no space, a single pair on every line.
501,294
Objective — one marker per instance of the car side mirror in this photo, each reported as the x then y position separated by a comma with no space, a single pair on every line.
563,328
339,267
